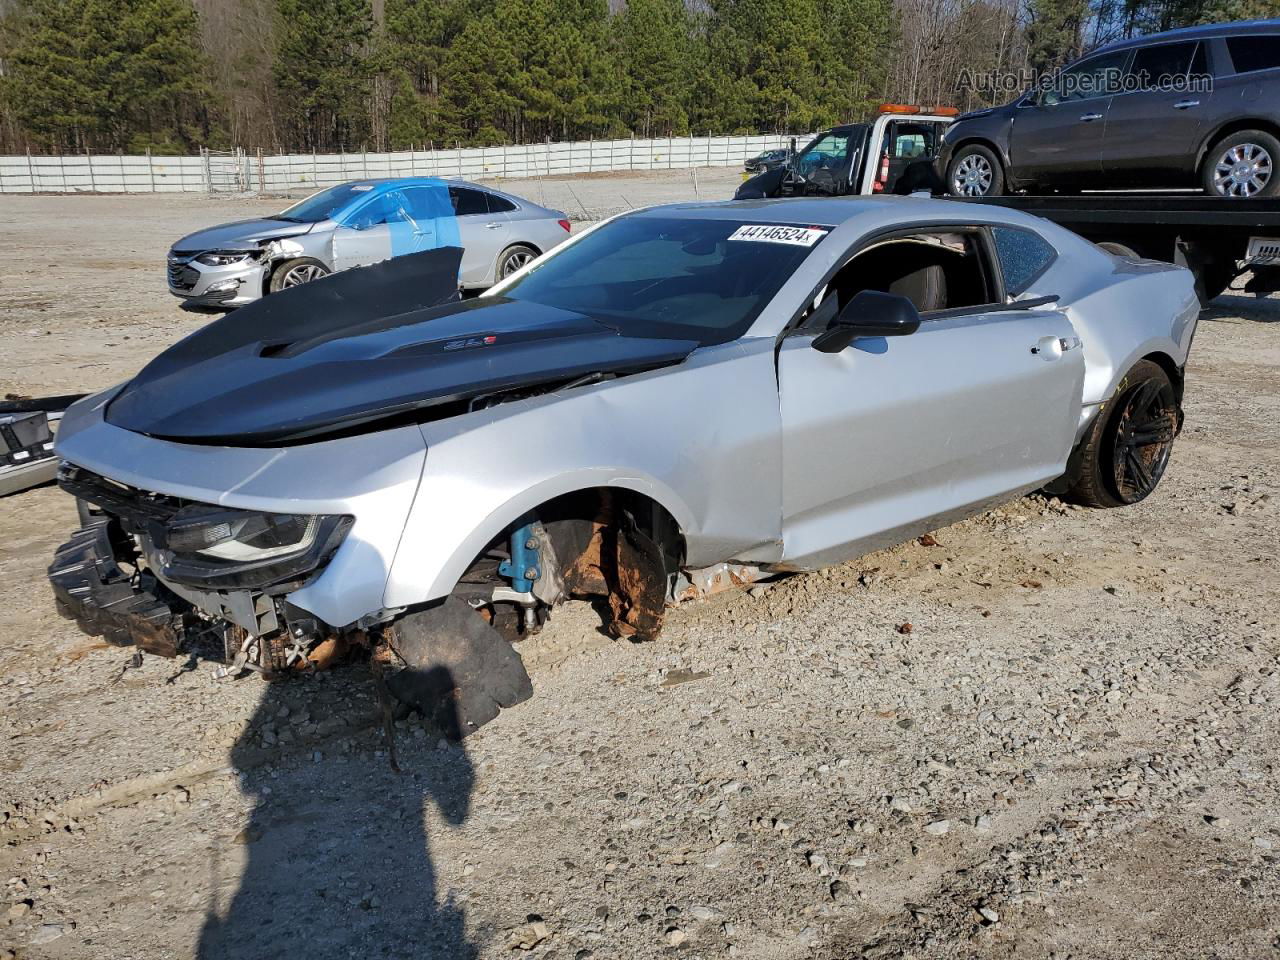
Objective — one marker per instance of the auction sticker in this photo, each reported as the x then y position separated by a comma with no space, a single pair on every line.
762,233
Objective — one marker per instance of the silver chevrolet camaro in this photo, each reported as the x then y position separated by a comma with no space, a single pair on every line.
674,401
359,223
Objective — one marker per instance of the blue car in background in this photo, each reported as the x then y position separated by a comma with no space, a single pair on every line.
359,223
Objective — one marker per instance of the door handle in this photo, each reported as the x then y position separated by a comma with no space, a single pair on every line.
493,226
1051,348
1090,117
1184,104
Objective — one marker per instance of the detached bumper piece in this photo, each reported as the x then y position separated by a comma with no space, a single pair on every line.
458,670
26,451
90,588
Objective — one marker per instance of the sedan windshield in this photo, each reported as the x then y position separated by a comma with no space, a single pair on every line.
703,280
322,205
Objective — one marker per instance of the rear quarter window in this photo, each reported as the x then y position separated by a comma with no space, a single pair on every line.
499,204
1258,52
1023,255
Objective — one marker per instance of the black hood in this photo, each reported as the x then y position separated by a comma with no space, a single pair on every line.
334,356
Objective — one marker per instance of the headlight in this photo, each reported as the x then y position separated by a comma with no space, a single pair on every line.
238,536
214,547
222,258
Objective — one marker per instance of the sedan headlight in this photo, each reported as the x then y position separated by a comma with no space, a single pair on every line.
223,258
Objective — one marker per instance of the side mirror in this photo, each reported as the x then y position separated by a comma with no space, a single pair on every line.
869,314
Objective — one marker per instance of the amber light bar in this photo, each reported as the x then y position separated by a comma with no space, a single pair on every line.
911,108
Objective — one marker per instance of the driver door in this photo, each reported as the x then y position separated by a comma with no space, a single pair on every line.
895,436
375,231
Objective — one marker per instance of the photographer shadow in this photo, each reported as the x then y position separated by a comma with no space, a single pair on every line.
338,853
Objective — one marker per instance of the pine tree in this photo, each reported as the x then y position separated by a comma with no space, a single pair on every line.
410,56
724,95
532,69
479,105
852,62
654,44
792,65
97,74
1226,11
1055,32
322,73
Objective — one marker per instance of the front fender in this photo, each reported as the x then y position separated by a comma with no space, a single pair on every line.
465,541
701,438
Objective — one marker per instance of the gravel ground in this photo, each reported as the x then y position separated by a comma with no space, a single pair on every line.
1044,732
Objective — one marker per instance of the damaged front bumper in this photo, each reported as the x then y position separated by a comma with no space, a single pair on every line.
90,588
154,570
228,285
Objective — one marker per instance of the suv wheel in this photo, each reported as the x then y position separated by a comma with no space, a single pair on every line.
1242,166
975,172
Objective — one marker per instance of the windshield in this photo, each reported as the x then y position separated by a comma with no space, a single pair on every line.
831,151
703,280
323,205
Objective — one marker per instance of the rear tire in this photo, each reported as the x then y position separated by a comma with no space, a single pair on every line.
975,171
1242,166
294,273
1126,450
513,258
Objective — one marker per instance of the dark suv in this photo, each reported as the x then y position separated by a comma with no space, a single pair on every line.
1198,106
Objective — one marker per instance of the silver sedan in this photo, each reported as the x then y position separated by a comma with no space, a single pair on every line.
358,223
676,400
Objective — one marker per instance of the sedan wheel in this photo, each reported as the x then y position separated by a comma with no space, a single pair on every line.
302,274
294,273
1242,166
514,258
1128,447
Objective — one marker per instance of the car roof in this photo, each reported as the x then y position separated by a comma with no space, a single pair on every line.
1204,32
798,211
381,184
390,183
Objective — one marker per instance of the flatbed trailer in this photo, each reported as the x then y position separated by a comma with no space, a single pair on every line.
1217,239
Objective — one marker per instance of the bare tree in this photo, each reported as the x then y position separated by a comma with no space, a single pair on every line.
239,37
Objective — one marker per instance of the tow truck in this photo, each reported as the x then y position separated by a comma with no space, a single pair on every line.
1218,239
901,142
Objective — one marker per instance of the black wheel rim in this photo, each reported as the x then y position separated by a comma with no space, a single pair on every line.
1144,434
